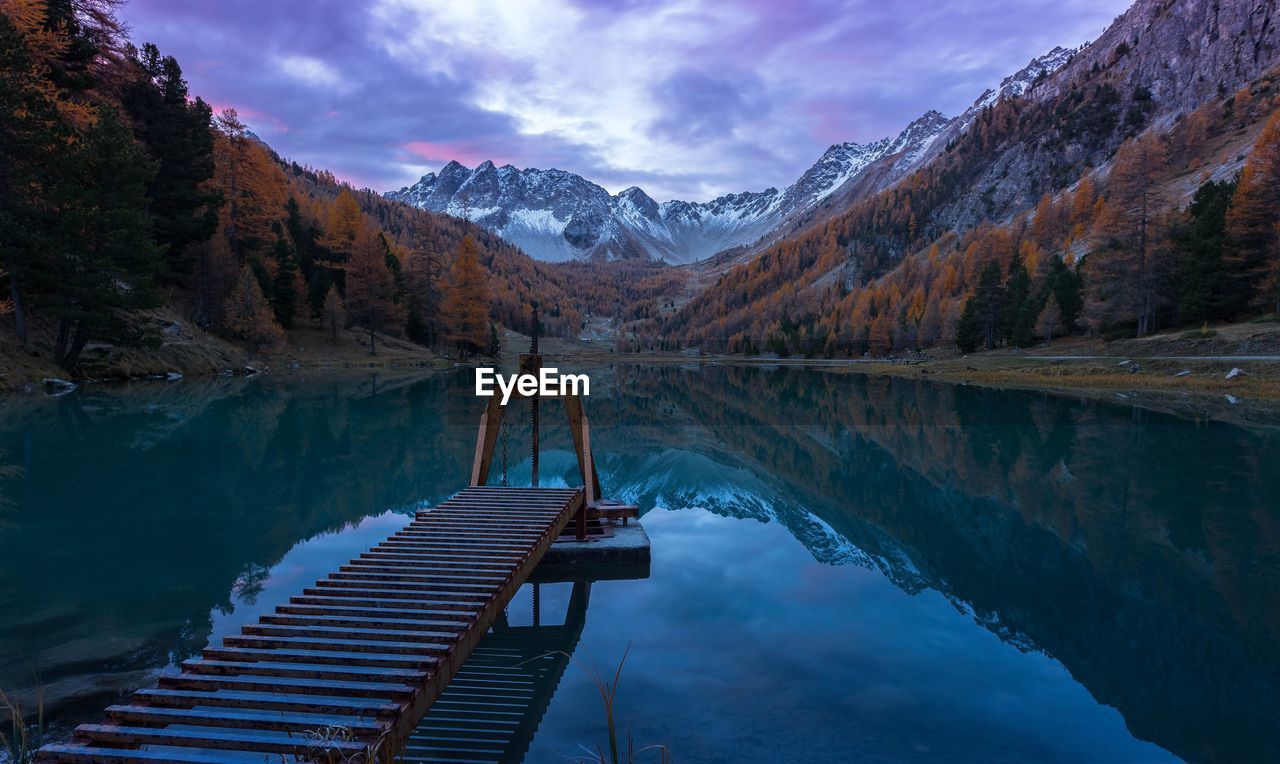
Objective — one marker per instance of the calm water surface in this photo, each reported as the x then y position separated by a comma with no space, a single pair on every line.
843,568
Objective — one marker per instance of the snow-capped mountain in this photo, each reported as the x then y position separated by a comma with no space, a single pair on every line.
1020,82
556,215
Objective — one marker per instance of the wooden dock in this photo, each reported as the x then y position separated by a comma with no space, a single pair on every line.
348,667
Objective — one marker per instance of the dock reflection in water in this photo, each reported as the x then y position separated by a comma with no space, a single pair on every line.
491,710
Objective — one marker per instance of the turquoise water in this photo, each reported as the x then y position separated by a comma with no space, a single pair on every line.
843,568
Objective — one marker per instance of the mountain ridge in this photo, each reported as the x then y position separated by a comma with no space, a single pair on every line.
557,215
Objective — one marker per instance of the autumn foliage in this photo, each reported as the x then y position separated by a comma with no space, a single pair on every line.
466,304
1113,251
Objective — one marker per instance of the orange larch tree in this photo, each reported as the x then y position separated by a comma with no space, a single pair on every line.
371,287
466,302
1250,248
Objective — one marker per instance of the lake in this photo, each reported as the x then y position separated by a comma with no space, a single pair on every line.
844,567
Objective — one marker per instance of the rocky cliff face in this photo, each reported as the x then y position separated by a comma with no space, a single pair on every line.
1183,51
1158,61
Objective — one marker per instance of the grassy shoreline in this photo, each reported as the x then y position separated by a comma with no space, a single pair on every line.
1183,373
1180,373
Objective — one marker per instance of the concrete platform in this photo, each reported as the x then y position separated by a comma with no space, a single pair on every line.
624,555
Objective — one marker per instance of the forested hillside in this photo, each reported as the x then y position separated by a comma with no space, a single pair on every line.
1131,190
1140,223
124,194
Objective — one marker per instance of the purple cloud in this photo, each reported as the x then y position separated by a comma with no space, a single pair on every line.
687,99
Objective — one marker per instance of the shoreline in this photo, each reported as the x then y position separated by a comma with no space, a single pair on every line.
1197,378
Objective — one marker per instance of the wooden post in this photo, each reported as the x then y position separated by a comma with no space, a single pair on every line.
589,481
533,412
582,445
531,363
490,423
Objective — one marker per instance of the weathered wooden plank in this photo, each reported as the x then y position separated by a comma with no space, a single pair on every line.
440,561
411,586
509,505
342,632
471,534
476,579
465,542
286,684
454,533
380,613
328,657
72,754
465,526
380,573
455,517
341,673
267,742
378,601
445,594
398,570
283,722
439,624
334,643
485,508
485,554
268,701
407,566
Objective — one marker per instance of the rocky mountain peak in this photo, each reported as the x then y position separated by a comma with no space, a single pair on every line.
642,202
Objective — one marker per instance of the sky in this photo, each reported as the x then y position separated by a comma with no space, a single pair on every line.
687,99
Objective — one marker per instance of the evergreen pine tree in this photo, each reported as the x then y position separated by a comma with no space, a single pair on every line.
178,135
1020,308
104,261
423,297
968,327
1067,288
33,141
1204,289
284,295
990,304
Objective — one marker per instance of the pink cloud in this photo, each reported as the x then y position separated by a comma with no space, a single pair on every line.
255,119
466,152
830,123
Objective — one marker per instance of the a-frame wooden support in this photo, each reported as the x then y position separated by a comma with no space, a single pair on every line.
579,428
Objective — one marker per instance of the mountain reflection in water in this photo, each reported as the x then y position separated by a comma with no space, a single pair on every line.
1137,550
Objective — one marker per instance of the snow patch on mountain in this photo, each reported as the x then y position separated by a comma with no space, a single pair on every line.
1020,82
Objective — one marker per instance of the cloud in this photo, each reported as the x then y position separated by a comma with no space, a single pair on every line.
312,71
697,106
466,152
686,98
562,70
